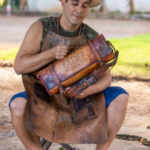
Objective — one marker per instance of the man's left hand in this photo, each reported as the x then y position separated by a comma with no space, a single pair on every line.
79,96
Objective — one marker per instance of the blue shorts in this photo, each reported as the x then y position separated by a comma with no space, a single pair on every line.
110,94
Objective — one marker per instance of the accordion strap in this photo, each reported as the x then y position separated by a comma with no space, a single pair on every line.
96,54
85,82
60,87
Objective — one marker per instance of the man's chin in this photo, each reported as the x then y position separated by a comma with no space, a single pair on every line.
75,22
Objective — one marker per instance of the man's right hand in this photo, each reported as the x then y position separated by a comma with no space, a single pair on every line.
29,57
60,51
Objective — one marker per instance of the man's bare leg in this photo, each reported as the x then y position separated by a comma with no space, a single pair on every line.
18,114
115,116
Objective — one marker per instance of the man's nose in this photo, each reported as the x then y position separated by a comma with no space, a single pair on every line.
80,9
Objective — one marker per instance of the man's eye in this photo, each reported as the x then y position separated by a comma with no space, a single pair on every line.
84,7
75,4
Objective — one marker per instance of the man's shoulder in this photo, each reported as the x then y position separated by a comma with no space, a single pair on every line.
44,21
91,33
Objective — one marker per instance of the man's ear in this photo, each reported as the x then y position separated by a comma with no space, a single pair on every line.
63,2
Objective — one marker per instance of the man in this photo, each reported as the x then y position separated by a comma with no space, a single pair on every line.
29,59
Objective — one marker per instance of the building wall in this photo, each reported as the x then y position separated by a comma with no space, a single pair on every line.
122,6
142,5
44,5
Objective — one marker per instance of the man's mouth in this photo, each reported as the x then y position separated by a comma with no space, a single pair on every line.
77,16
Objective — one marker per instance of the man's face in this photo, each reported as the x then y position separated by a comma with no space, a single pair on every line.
75,10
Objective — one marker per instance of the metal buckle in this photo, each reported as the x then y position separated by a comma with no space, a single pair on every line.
90,117
84,87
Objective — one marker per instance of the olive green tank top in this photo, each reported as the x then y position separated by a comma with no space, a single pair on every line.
91,33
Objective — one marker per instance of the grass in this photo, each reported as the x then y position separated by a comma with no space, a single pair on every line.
134,56
8,55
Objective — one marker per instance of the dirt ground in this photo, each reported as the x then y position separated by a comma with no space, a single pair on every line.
12,31
136,122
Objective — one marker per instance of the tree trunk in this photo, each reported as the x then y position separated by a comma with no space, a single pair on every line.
132,5
104,8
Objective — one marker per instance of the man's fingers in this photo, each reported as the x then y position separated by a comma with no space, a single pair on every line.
61,54
64,47
61,51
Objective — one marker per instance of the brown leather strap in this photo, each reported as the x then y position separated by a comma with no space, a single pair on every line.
96,74
95,52
58,24
87,81
80,86
91,113
60,87
100,71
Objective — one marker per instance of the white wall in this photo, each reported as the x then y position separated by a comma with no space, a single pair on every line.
44,5
48,5
122,6
142,5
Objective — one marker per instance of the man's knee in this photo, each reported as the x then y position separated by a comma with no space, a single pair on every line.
120,101
18,106
123,98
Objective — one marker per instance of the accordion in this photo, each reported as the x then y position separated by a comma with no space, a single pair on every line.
94,57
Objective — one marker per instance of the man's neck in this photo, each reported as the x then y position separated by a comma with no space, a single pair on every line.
67,25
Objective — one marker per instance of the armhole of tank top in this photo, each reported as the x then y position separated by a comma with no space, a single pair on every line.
45,30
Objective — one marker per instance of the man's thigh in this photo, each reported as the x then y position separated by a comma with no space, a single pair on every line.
18,95
111,93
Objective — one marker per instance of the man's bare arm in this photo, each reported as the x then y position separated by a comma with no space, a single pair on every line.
99,86
29,58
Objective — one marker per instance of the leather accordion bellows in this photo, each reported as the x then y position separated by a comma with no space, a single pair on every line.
68,71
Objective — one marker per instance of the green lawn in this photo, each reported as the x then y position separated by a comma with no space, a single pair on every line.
134,57
8,55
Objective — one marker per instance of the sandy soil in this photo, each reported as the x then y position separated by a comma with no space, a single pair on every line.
136,122
12,31
14,144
